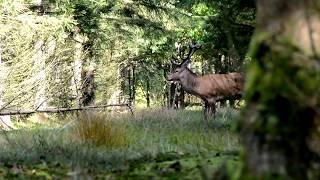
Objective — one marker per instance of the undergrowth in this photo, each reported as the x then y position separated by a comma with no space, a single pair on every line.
102,145
95,129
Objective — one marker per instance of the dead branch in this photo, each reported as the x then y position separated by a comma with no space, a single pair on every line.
59,110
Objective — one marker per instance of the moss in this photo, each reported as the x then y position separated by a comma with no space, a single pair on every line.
282,93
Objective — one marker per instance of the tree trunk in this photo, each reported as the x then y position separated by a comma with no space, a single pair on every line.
134,82
129,86
88,87
123,93
280,126
217,64
78,68
181,98
172,94
40,65
148,92
166,99
134,85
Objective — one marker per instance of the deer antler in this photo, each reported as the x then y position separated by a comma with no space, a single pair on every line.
192,49
181,54
174,61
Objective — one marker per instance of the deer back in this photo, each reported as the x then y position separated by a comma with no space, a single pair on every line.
221,85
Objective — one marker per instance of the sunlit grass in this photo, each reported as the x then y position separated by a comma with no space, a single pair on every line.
104,142
95,129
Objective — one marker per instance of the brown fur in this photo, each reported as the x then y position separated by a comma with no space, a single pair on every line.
220,85
210,88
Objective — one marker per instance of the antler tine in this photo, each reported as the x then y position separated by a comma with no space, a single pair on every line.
181,52
178,49
192,45
185,59
192,48
174,61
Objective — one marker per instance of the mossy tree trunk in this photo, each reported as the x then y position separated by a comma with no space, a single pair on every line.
280,126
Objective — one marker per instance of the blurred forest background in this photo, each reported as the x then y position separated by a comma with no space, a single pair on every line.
62,53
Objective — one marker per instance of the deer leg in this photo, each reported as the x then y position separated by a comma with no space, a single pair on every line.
212,108
206,113
205,110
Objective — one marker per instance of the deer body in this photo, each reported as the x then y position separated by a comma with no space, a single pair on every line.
210,88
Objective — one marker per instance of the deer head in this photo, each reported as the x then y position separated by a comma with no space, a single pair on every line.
182,68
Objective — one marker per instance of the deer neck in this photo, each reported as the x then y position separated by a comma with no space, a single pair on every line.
189,82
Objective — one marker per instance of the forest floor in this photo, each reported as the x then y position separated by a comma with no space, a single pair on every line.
152,144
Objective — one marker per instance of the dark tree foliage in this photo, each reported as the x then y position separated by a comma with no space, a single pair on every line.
229,32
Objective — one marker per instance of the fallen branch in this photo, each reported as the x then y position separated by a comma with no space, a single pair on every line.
192,104
5,123
58,110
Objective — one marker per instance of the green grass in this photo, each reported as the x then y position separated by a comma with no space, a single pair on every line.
152,143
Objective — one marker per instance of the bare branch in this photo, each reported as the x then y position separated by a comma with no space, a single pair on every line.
59,110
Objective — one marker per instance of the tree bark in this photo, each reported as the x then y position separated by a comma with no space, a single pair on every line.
172,93
78,68
40,66
148,92
166,97
123,93
130,85
88,87
134,85
181,98
280,126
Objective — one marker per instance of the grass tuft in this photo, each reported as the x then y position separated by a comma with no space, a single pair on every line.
95,129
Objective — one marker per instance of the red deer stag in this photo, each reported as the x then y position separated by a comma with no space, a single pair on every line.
211,87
